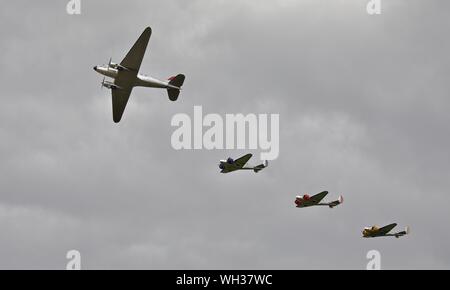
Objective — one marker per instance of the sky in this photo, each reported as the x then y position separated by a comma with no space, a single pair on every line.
363,106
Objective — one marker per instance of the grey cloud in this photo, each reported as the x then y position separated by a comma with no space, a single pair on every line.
363,112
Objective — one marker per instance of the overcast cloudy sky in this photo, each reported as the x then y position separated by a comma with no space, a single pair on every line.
364,112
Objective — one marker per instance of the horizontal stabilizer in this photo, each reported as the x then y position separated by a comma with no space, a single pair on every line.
336,202
261,166
177,82
173,94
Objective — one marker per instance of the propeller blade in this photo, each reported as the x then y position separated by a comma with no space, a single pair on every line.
109,63
103,83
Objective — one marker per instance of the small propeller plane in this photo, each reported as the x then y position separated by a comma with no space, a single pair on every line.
230,165
315,200
126,76
374,231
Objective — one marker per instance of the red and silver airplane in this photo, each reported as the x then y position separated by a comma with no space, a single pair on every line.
315,200
126,76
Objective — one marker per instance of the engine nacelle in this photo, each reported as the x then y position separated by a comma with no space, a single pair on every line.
221,166
110,85
117,66
366,232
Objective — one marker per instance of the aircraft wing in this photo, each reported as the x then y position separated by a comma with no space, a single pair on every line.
134,57
240,162
386,229
318,197
119,102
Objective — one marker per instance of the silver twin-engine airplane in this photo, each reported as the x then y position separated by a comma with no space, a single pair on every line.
126,76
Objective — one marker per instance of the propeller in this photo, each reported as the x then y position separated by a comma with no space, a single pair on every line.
102,83
109,63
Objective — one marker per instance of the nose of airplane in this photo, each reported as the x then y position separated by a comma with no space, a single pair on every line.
95,68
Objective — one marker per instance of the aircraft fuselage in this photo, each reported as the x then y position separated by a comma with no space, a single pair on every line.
135,79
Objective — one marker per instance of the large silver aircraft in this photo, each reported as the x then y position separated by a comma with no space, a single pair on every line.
126,76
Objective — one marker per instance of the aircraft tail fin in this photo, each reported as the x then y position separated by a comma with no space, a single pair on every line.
176,81
336,202
260,167
402,233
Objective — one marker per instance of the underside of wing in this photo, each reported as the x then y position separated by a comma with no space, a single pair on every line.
318,197
386,229
119,102
134,57
240,162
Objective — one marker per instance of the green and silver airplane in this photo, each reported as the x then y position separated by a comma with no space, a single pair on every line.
231,165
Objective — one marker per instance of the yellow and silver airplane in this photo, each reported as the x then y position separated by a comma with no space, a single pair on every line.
374,231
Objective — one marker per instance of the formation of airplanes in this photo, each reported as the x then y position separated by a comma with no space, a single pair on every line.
126,76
